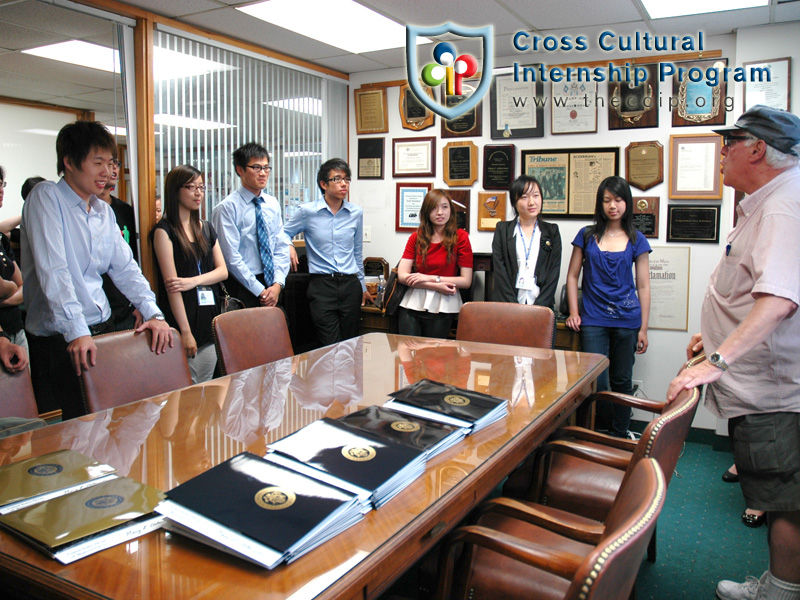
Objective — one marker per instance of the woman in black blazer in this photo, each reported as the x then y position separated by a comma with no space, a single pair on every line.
527,240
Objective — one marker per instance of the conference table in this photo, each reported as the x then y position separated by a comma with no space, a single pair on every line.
166,440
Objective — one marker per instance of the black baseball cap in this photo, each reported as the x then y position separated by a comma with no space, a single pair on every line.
778,128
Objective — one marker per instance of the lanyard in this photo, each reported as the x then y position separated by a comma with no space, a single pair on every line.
527,248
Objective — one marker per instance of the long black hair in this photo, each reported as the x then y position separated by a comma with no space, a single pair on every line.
620,188
175,180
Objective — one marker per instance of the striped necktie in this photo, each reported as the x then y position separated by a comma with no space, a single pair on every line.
263,243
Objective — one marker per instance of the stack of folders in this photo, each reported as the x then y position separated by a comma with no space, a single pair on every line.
83,522
258,510
448,404
38,479
429,436
373,467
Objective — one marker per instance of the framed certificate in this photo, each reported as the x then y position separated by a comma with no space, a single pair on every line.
460,163
515,110
694,166
371,110
699,103
669,287
573,108
414,157
775,92
409,204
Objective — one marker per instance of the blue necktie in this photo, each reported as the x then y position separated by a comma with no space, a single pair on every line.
263,243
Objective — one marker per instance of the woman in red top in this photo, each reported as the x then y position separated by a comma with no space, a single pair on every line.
437,262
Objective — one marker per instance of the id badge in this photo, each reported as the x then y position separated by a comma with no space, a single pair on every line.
526,280
205,296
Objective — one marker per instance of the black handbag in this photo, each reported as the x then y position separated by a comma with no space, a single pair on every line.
227,303
393,293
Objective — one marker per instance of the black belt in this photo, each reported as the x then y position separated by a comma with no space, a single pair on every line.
334,274
103,327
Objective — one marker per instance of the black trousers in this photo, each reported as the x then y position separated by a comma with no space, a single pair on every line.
237,290
55,383
335,303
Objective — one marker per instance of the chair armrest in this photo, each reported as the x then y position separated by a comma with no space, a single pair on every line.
656,406
589,435
562,564
558,521
596,454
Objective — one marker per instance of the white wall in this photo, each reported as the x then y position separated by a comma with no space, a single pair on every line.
666,353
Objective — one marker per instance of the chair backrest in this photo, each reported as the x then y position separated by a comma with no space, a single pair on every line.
251,337
609,571
16,395
127,371
507,323
664,436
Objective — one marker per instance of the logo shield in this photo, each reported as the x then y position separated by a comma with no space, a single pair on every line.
412,69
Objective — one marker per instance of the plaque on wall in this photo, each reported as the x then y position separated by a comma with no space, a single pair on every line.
645,215
460,163
460,200
699,103
413,114
693,224
371,110
370,158
470,123
644,164
491,210
634,106
498,166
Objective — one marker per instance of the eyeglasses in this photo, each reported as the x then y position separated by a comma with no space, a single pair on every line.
2,184
730,140
338,179
259,168
193,188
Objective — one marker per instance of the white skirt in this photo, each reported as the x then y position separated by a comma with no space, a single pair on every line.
431,301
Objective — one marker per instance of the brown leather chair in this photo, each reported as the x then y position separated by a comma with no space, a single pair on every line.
539,553
18,410
251,337
127,371
507,323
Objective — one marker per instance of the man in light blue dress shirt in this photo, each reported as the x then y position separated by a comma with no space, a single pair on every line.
333,233
235,220
69,239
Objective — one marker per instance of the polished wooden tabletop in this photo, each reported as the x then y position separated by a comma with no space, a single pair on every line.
166,440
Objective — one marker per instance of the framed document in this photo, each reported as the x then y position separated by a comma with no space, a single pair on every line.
491,210
414,157
644,164
461,200
413,114
669,288
634,106
645,215
371,110
774,93
693,223
694,166
460,163
470,123
698,103
498,166
370,158
515,111
573,108
551,169
408,204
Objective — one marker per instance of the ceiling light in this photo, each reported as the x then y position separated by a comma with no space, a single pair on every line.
189,122
311,106
333,22
301,154
167,64
658,9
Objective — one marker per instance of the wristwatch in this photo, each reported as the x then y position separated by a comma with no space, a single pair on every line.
158,317
6,335
717,360
438,279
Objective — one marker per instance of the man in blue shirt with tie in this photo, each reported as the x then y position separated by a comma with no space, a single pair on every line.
250,232
333,232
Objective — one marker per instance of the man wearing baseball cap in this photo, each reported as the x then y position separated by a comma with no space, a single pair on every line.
751,335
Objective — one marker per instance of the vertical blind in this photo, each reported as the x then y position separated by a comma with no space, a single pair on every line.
209,100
